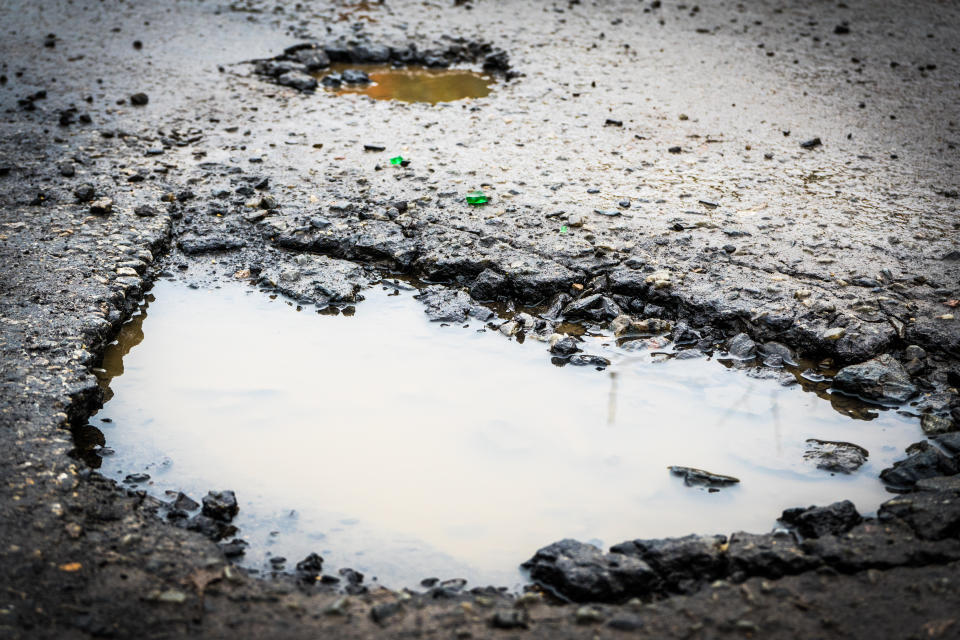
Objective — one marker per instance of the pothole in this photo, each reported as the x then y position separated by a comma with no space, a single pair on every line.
407,449
405,84
402,71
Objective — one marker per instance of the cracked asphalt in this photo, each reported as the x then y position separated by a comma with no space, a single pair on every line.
693,124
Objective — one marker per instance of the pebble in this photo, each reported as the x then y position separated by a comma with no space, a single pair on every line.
101,207
139,99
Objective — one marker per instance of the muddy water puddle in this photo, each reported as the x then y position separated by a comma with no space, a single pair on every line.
405,449
407,84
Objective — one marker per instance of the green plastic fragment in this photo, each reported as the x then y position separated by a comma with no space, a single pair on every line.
396,160
477,198
564,229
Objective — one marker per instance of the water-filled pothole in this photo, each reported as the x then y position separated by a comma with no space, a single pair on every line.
406,84
406,449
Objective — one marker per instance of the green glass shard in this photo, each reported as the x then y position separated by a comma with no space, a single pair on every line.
477,197
564,229
396,160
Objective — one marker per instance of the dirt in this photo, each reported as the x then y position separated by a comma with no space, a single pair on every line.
668,140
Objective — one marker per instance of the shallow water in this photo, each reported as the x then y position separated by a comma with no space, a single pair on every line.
414,84
406,449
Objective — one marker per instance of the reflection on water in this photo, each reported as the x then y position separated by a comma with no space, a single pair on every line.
414,84
406,449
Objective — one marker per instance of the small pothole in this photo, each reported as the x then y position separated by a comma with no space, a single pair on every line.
406,84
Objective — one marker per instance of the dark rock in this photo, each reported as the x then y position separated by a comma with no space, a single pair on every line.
449,305
950,442
811,143
814,522
597,307
84,193
742,347
313,59
699,478
587,360
145,211
220,505
67,169
684,564
332,80
557,305
235,548
139,99
276,68
268,203
882,379
184,502
311,566
367,52
214,529
873,545
835,457
767,555
933,424
565,346
354,76
489,285
136,478
583,573
778,350
298,80
932,515
924,461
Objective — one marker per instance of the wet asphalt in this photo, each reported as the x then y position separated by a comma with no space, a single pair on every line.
694,124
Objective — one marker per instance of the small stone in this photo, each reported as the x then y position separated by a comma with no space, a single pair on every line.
67,169
834,334
101,207
84,193
145,211
184,502
934,425
588,615
355,76
139,99
835,457
298,80
172,596
811,143
268,202
220,505
881,379
913,352
742,347
509,619
693,477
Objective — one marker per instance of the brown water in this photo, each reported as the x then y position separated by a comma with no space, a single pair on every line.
405,449
414,84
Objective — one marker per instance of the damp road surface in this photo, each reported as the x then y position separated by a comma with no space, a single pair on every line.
408,449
